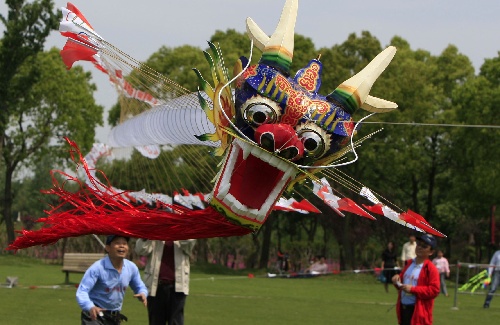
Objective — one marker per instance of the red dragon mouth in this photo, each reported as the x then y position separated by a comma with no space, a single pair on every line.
251,182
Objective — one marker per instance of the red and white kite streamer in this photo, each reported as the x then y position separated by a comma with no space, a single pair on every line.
409,219
324,191
293,205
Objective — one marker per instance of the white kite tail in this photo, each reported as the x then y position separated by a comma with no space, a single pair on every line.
73,22
154,113
177,122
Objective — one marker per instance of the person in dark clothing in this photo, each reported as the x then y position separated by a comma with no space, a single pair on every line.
389,264
283,262
167,278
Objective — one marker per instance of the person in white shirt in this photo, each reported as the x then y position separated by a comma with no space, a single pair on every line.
318,267
408,251
167,278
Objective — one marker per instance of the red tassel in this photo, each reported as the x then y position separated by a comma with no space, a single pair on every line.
104,212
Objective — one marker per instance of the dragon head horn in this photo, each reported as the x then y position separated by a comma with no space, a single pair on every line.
354,92
277,49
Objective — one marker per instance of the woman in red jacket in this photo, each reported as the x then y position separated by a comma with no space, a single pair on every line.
418,285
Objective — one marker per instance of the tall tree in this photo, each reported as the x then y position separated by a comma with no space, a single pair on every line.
27,25
340,62
473,178
59,104
409,159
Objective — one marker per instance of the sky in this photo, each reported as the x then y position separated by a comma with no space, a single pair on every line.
140,28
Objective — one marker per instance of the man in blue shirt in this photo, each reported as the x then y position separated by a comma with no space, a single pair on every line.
101,291
493,270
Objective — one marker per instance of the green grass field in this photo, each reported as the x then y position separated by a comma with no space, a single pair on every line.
42,298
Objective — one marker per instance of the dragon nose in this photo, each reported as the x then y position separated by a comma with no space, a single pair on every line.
280,139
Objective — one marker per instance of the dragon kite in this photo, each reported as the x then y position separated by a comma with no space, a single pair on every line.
272,129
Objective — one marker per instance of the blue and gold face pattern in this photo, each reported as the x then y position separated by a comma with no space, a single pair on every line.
264,95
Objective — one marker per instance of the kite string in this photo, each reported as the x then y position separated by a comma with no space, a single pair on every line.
226,85
356,185
486,126
352,148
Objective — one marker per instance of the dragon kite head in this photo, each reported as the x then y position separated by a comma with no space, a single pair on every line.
281,124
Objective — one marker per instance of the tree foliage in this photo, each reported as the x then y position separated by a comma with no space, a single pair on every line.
27,24
26,27
45,103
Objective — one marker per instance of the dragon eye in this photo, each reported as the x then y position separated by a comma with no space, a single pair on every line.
315,140
258,111
258,114
314,144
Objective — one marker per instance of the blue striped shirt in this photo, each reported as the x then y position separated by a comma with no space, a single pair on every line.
104,286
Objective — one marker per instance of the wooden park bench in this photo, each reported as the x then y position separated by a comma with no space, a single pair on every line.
78,262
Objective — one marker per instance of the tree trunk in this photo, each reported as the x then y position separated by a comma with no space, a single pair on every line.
7,207
278,231
63,248
342,235
202,250
266,242
341,257
346,243
253,257
311,231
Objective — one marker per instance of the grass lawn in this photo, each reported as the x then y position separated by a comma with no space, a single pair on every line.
42,298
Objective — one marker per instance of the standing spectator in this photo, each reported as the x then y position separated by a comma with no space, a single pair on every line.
283,263
101,291
389,264
167,277
444,270
418,285
408,251
493,270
